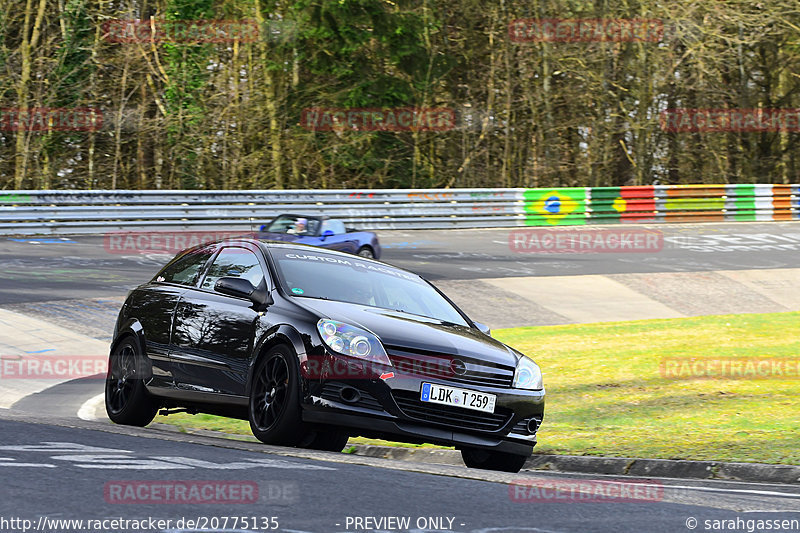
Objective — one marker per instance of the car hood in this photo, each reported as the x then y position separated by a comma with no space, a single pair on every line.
402,330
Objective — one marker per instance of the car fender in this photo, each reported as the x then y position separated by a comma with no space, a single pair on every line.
367,238
278,334
133,328
376,246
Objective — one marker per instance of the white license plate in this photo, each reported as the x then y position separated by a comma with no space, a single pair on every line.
468,399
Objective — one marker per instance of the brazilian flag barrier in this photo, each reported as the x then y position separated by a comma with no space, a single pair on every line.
555,207
660,203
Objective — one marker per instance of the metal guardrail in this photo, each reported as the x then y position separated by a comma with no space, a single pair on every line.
72,212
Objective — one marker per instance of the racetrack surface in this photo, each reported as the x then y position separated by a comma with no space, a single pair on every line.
60,296
61,472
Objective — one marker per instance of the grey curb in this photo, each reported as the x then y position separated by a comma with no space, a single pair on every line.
582,464
615,466
622,466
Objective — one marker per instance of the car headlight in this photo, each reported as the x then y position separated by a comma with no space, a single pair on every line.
528,375
349,340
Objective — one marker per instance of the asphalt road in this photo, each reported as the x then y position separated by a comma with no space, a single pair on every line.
80,281
54,472
51,269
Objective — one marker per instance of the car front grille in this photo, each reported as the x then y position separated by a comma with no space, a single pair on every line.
453,368
454,417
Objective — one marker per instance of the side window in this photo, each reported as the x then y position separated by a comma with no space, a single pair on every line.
336,226
185,269
234,263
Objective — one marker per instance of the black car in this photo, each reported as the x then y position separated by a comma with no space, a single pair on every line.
314,346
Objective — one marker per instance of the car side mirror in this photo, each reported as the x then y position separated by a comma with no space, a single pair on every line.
327,233
234,287
241,288
483,328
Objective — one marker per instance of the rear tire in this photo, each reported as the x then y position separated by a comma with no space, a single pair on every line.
127,401
275,412
487,460
366,251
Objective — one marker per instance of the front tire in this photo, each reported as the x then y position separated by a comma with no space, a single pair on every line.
326,440
275,413
127,401
487,460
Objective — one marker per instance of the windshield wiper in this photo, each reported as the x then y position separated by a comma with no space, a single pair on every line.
441,320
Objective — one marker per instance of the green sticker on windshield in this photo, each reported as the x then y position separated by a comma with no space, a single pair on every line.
298,290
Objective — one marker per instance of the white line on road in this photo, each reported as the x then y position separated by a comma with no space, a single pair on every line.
8,461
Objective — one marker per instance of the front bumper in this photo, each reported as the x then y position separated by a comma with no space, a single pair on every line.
390,408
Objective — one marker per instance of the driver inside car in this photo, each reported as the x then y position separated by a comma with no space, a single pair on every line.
299,227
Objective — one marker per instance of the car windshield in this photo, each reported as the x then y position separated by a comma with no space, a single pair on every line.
294,225
344,279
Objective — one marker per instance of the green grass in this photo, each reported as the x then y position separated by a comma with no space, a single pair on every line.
209,422
606,396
